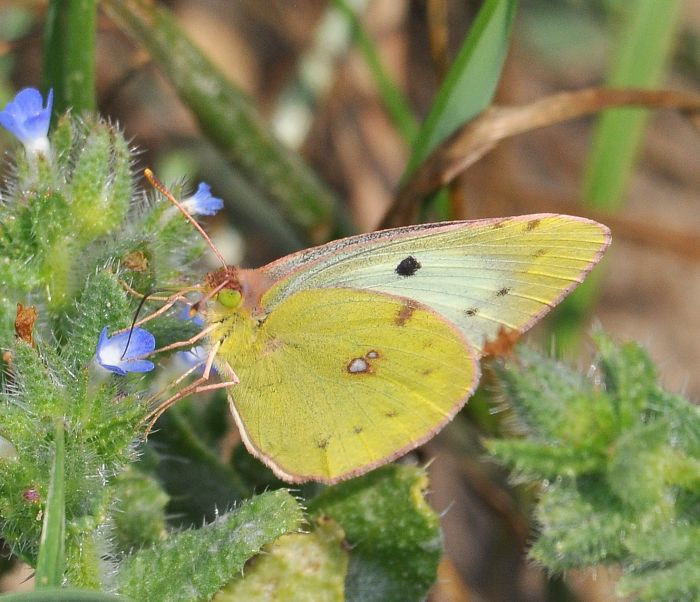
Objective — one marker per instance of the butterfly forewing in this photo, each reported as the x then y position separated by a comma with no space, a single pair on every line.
480,275
336,381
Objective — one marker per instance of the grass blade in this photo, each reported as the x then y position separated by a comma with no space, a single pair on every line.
49,566
69,54
471,81
643,48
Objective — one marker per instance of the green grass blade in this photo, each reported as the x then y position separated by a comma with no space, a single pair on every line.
393,99
471,81
644,44
643,48
69,54
49,566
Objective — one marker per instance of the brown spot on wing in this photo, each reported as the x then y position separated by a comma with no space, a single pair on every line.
504,342
531,225
503,292
323,443
405,313
471,312
358,365
540,253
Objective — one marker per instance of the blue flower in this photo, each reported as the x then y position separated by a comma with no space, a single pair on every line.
111,349
202,202
28,120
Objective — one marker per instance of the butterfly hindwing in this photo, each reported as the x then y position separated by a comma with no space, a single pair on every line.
481,275
336,381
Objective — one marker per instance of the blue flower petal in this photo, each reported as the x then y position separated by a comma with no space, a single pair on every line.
113,355
141,366
202,202
26,119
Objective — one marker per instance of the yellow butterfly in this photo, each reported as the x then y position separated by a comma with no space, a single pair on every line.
350,354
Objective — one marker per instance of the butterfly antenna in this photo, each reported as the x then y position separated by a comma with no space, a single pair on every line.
142,302
133,322
160,187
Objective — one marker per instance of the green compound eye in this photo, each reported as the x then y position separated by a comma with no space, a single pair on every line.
229,298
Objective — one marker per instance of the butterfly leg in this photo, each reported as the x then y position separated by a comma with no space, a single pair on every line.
197,386
200,335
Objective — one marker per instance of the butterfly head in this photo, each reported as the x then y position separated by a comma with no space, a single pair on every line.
225,286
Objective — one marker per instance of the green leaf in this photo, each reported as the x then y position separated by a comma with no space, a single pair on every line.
298,566
195,564
629,493
49,566
636,473
581,525
630,378
535,460
69,54
393,534
471,81
231,121
680,581
138,512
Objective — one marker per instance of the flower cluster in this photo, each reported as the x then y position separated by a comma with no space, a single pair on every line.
28,119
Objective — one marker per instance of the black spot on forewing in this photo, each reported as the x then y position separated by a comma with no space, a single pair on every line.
503,292
408,266
471,312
